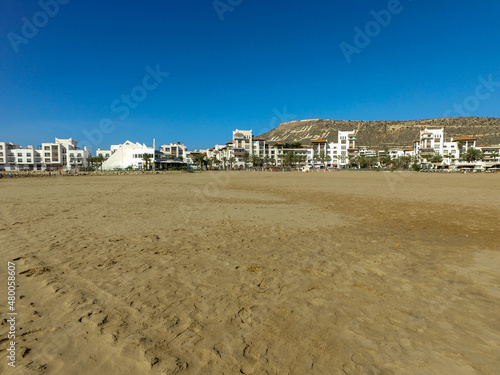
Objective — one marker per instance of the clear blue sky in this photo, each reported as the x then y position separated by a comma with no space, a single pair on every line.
251,67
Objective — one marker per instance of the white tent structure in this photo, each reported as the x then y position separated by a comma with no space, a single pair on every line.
128,154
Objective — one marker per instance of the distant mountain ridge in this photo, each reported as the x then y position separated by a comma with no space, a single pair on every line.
391,134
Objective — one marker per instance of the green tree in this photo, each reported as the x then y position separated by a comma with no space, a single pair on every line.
290,159
246,159
199,159
355,162
436,159
97,161
256,161
147,160
210,163
472,154
323,157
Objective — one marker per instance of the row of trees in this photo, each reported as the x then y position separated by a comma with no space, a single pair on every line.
255,162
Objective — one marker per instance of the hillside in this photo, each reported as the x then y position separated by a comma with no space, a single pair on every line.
392,134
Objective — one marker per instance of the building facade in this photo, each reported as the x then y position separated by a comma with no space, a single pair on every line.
60,155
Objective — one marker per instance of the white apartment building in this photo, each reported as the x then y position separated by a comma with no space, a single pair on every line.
104,153
174,150
339,153
465,142
61,155
233,152
491,153
430,142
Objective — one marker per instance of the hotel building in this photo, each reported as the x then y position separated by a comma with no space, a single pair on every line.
61,155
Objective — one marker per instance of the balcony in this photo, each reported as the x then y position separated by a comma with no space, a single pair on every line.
427,150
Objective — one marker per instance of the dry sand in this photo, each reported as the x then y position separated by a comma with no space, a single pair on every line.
254,273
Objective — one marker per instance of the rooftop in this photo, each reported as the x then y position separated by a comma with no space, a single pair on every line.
464,138
319,140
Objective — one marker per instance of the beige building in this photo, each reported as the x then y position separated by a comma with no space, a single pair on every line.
175,150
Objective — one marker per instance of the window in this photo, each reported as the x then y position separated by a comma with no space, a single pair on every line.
46,148
1,147
47,154
20,154
29,160
47,160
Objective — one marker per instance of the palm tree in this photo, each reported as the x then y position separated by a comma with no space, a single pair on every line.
354,162
266,160
406,161
302,159
255,161
272,161
473,154
199,159
290,158
315,160
210,163
385,160
323,157
494,155
449,156
147,160
246,159
362,161
436,159
224,162
231,161
96,162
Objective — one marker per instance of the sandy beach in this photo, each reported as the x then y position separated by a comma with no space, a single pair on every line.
253,273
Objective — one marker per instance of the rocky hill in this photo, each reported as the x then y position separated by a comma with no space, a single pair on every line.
392,134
